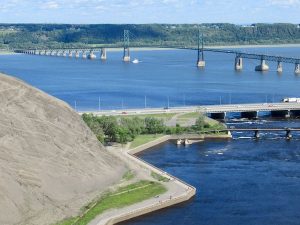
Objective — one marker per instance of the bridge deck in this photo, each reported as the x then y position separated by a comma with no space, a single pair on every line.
259,107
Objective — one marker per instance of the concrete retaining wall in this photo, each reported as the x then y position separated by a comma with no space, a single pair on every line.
190,190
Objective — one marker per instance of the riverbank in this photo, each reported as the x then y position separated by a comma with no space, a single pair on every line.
178,190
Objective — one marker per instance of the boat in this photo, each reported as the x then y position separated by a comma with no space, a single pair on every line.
135,61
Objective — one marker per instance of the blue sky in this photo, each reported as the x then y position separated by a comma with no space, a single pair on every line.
149,11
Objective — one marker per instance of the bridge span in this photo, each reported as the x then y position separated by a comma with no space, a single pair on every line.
283,110
90,53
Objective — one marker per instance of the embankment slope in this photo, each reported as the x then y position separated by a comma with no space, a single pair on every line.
50,162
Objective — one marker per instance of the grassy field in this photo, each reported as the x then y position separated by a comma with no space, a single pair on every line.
143,139
164,116
124,196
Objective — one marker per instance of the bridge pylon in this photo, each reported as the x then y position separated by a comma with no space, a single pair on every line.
126,54
263,65
200,58
279,67
238,65
103,54
297,68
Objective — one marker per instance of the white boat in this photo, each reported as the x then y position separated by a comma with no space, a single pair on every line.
135,61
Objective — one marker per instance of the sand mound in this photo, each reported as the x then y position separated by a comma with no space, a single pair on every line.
50,162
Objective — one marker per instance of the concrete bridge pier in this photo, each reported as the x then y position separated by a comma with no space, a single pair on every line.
126,55
297,68
218,116
103,54
250,115
201,63
77,54
288,134
281,114
84,56
238,65
263,66
256,134
279,67
92,55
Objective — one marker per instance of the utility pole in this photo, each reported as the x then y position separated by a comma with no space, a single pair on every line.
145,101
168,102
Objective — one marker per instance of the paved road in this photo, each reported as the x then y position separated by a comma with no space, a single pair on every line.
204,109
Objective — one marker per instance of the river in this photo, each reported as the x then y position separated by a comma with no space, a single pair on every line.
240,181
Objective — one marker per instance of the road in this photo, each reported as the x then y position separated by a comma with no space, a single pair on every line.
204,108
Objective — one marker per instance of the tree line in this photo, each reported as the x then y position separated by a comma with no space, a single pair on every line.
24,36
125,129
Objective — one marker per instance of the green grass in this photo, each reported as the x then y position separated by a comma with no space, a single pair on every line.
164,116
128,175
124,196
189,115
143,139
159,177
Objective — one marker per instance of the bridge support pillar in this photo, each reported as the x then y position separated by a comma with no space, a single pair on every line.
288,134
218,116
281,114
238,65
262,67
250,115
84,56
92,55
279,67
103,54
126,55
256,134
201,63
297,68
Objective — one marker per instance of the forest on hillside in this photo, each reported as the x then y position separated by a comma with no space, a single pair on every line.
23,36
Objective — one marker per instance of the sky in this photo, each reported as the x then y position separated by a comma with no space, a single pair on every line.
149,11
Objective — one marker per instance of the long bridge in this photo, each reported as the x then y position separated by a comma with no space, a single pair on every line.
91,53
251,111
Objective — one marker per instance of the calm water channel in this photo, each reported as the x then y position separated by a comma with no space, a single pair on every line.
241,181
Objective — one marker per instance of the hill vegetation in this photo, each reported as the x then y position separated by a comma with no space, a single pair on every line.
155,35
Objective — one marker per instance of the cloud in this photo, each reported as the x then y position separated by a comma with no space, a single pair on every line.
50,5
284,3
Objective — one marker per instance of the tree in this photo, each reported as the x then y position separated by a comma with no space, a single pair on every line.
200,123
154,126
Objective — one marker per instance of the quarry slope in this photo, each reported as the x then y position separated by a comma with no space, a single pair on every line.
51,164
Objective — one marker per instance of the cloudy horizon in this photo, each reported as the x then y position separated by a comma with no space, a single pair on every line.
149,11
